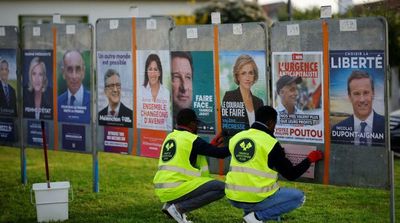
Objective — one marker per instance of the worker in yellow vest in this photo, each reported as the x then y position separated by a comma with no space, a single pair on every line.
182,182
257,158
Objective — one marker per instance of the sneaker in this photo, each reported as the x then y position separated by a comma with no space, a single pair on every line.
175,214
164,209
251,218
185,220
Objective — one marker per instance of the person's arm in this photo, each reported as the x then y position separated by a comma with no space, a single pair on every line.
277,160
201,147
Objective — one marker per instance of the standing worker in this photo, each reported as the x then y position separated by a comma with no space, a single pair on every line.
257,158
180,181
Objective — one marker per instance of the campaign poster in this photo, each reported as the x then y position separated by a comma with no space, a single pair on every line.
151,142
357,90
297,153
34,130
7,130
73,137
192,74
115,94
203,91
297,79
73,86
8,82
37,82
116,139
243,88
153,90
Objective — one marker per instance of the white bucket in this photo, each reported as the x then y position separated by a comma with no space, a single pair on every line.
51,203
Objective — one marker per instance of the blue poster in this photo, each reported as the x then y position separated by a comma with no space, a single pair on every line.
357,92
34,130
8,82
73,137
74,87
38,84
7,130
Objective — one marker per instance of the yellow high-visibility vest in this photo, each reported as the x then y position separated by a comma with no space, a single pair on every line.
249,178
176,176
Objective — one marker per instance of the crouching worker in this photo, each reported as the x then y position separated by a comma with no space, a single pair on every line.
181,181
257,158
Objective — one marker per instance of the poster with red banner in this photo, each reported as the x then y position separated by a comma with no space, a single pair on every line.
116,139
297,79
152,141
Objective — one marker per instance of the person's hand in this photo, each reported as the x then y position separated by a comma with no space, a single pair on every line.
217,140
315,156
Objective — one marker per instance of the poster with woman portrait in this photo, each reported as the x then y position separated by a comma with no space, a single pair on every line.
115,94
153,90
242,88
8,82
37,82
73,85
297,79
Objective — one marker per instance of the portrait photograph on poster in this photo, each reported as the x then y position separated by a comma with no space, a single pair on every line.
153,90
297,79
8,80
114,82
243,88
37,81
73,82
357,92
187,68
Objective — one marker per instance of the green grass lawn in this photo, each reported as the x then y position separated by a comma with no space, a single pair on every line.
127,195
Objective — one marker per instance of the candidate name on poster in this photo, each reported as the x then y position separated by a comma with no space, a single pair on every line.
297,90
154,98
7,130
34,136
357,97
37,84
74,87
116,139
8,82
243,81
73,137
115,88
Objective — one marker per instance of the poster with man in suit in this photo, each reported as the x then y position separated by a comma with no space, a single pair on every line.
357,97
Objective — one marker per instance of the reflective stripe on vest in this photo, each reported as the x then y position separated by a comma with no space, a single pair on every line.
242,169
167,185
252,189
180,170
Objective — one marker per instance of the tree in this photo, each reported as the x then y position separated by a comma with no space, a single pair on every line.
231,12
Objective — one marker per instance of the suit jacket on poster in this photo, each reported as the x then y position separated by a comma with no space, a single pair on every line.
47,103
71,116
236,96
378,127
8,109
124,115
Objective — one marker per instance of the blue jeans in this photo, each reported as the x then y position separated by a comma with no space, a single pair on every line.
284,200
203,195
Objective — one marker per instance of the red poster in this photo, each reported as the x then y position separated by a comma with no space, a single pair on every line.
151,142
115,139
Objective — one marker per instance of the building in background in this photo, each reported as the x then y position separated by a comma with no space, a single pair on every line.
21,12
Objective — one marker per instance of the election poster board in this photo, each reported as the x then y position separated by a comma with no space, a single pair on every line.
242,75
357,97
192,86
115,97
153,90
8,84
74,79
37,84
297,79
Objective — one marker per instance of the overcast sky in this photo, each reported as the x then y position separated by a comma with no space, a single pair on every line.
304,4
